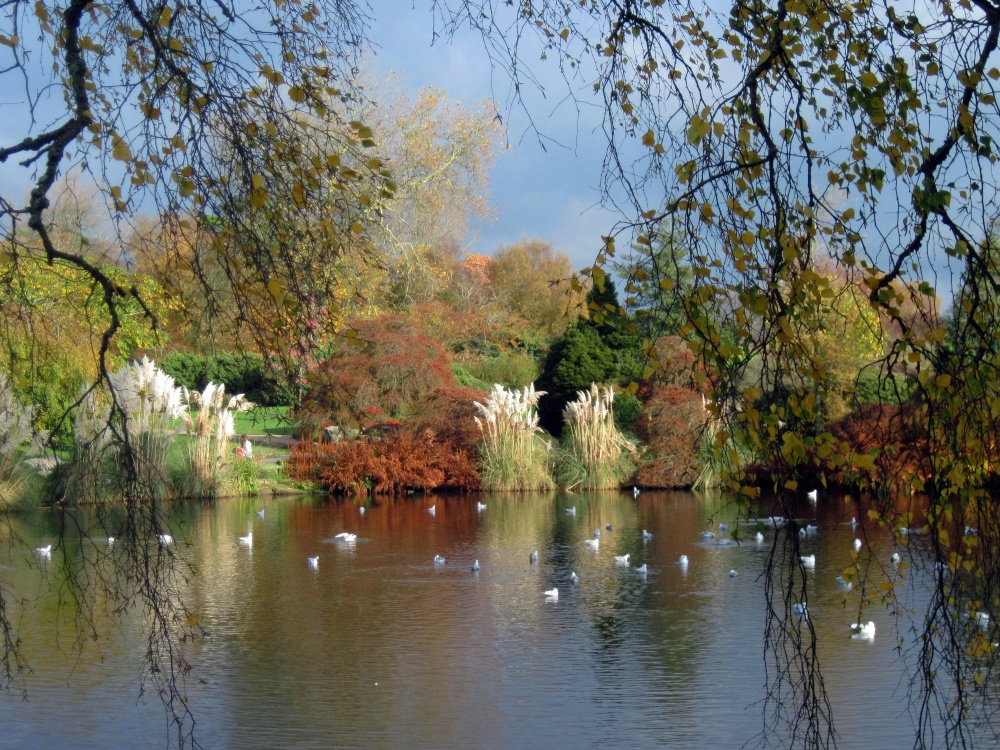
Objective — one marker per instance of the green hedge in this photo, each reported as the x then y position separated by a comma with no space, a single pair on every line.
241,373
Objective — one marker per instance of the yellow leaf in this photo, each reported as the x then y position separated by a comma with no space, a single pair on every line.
869,80
120,149
357,228
748,238
648,138
296,94
666,284
258,181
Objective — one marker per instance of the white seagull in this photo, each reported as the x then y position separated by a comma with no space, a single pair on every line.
808,561
533,557
801,609
593,543
45,551
313,562
723,527
475,566
165,539
574,578
732,574
597,533
810,529
813,495
438,560
844,583
552,594
345,536
704,535
260,513
894,558
247,540
642,569
647,535
571,511
635,491
864,632
432,510
361,509
622,559
760,537
683,561
857,545
480,506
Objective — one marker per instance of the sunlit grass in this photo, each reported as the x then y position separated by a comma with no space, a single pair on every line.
595,455
514,456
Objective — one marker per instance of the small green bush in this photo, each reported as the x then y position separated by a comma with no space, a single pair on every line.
240,373
509,369
628,409
467,380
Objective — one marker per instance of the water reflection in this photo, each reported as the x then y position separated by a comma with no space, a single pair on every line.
379,647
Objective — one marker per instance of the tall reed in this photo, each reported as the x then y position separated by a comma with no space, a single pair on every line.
595,455
514,454
15,431
87,476
208,466
150,402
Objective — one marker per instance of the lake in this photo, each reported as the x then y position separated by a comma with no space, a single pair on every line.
379,646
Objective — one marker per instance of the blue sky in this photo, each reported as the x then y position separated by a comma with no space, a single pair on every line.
550,193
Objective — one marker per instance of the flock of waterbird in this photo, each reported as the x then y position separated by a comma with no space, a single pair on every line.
861,631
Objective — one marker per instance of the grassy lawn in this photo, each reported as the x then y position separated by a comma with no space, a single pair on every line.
264,420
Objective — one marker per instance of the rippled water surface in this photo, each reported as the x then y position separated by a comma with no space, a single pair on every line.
381,647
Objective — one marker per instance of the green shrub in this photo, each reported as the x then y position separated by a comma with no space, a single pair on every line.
509,369
628,410
240,373
245,476
467,380
576,360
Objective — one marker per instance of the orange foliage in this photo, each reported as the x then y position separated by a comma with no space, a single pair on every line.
671,425
448,415
405,461
392,366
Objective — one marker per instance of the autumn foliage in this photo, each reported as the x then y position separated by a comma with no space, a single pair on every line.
671,425
405,461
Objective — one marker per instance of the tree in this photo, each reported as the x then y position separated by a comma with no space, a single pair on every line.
198,111
754,121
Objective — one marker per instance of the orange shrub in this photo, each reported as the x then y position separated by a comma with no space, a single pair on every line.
405,461
671,425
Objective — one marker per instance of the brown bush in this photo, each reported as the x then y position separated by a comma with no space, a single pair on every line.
447,414
392,366
405,461
671,425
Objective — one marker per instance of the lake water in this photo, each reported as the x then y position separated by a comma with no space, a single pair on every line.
381,647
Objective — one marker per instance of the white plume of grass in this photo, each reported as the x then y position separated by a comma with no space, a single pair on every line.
596,454
514,454
150,402
15,431
93,447
210,422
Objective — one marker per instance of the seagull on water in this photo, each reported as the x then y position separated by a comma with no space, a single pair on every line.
607,527
571,511
622,559
704,535
723,527
260,513
894,558
438,560
432,510
165,539
844,583
647,534
533,557
480,507
810,529
857,545
361,509
313,562
475,566
594,543
44,551
642,569
635,491
247,540
597,533
732,574
801,609
808,561
574,578
864,632
760,537
345,536
813,495
724,542
683,561
552,594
